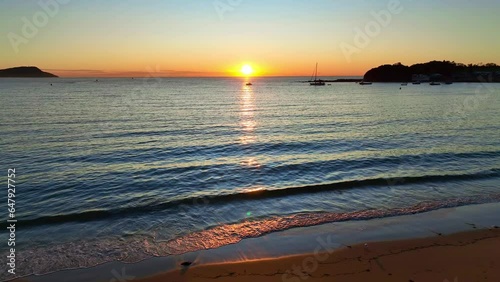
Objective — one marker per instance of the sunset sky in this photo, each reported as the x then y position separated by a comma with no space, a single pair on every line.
217,37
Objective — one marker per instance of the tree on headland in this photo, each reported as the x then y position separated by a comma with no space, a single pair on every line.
436,70
389,73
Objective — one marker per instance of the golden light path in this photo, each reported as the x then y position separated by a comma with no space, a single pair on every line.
247,118
248,124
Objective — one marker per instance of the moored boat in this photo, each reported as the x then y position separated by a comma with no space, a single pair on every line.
316,81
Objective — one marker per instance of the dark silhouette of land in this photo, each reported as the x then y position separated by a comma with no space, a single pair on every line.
25,72
439,71
337,80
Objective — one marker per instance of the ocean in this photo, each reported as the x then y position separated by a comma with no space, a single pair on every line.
128,169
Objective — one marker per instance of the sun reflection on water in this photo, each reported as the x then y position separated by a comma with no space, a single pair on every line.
248,124
247,115
254,189
251,163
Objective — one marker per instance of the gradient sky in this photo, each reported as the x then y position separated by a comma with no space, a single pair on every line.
277,37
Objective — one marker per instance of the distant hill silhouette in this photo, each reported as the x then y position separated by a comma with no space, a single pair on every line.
435,71
25,72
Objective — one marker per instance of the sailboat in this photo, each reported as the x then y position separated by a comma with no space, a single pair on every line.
316,81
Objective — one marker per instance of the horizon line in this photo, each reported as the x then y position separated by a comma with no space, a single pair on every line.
227,76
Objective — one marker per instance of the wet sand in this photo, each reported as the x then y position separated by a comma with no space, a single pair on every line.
461,257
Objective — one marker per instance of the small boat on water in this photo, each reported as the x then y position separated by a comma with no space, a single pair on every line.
316,81
248,84
416,82
365,83
448,82
404,84
434,83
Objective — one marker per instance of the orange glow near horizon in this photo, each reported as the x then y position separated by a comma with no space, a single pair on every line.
246,70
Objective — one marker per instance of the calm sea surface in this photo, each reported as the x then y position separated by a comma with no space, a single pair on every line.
125,169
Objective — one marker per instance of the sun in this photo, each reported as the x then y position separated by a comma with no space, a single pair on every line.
247,70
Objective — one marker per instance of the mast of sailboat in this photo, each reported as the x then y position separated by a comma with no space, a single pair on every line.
316,72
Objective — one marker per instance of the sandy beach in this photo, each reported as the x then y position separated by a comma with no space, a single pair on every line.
468,256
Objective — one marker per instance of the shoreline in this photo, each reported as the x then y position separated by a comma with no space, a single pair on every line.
465,256
298,242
